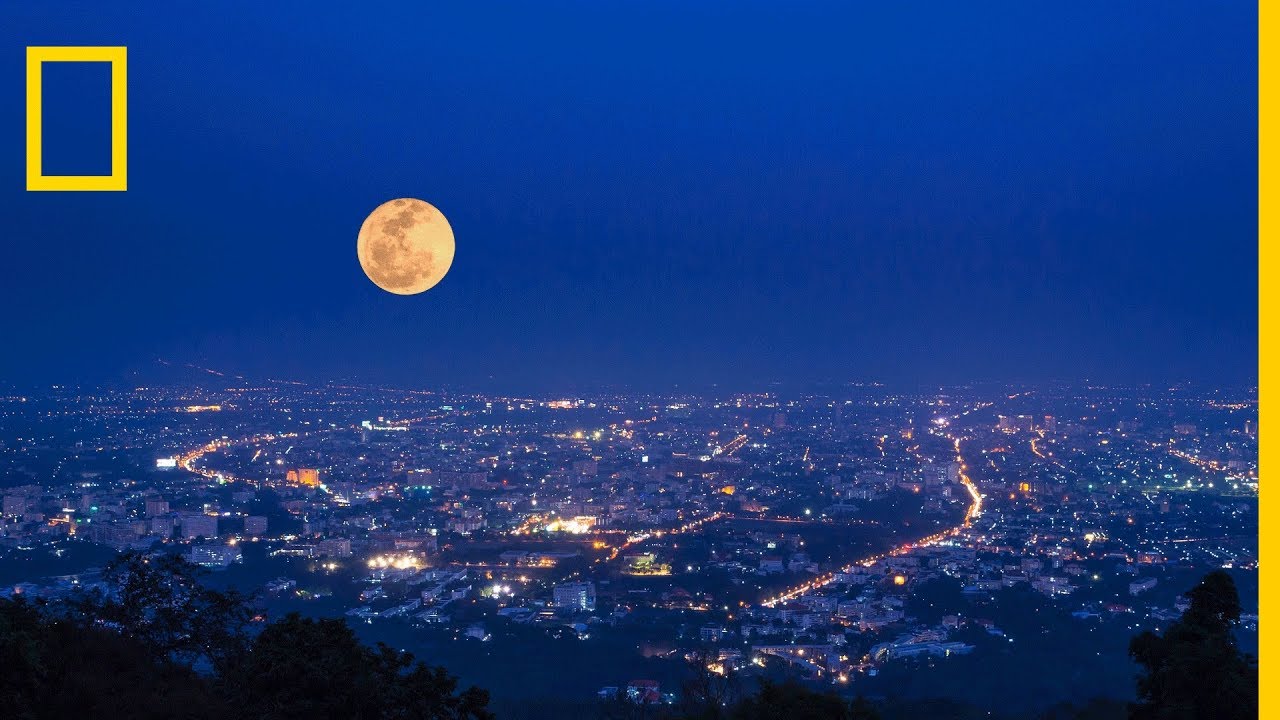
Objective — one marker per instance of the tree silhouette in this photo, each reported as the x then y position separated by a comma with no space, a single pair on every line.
931,600
158,644
160,602
304,668
56,668
862,709
708,695
792,701
1195,671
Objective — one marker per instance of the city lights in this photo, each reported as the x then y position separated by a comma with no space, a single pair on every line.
395,562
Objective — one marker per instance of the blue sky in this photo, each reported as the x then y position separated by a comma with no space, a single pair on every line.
647,192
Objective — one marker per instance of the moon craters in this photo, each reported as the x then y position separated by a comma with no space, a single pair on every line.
405,246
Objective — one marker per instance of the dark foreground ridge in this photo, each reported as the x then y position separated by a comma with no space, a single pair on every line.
159,644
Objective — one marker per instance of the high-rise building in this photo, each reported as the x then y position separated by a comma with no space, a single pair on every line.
935,474
255,525
197,525
21,500
15,505
114,534
334,547
162,525
579,596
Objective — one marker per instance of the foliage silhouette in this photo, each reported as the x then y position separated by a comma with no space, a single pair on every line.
156,643
1195,671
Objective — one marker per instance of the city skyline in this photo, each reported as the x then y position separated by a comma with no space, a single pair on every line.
873,541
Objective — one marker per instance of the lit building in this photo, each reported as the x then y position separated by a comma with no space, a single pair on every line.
303,476
1020,423
644,692
579,596
219,556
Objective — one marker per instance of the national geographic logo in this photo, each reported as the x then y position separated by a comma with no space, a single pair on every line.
117,58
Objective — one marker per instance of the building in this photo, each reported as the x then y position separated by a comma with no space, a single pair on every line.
309,477
935,474
579,596
334,547
1138,587
196,525
162,525
255,525
115,534
770,565
15,505
1020,423
157,506
217,556
888,651
644,692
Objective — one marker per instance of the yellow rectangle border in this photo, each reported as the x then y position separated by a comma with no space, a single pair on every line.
118,179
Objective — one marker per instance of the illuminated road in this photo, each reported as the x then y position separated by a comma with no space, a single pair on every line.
1035,450
634,540
187,460
734,445
1209,464
975,508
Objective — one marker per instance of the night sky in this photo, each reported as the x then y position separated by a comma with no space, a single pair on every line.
645,193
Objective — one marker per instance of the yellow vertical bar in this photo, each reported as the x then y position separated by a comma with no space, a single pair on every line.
120,119
35,164
1269,416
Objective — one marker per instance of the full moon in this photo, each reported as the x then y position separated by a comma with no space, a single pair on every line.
405,246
